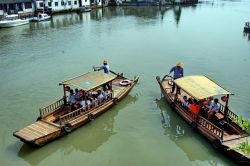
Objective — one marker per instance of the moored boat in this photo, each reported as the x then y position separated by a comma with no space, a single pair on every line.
12,21
222,128
41,17
60,118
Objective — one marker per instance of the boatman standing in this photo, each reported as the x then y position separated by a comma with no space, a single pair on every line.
105,67
178,73
106,70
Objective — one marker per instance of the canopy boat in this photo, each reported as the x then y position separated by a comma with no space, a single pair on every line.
41,17
59,118
247,27
12,21
222,130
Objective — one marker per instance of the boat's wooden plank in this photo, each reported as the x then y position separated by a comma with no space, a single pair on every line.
25,135
37,130
41,129
44,128
48,126
32,133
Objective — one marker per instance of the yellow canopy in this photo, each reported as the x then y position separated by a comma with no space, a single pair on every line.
90,80
200,87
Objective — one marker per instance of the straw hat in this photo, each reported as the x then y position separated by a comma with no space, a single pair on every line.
105,61
179,64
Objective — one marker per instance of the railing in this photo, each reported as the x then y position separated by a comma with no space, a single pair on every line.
72,115
83,110
51,108
230,114
211,127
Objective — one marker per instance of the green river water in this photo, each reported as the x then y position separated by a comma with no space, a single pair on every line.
146,41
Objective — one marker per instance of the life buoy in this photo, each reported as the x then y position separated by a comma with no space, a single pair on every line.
224,98
125,82
91,117
170,82
38,118
67,128
115,100
194,124
67,88
216,144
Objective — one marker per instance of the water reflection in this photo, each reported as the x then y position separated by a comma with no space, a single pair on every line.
85,139
59,21
247,35
195,147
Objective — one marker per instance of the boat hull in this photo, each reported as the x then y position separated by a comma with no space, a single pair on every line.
7,24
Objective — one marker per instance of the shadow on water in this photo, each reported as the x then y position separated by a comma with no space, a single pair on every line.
85,139
196,147
247,35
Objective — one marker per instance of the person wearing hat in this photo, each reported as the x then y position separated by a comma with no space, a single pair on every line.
105,67
178,73
106,70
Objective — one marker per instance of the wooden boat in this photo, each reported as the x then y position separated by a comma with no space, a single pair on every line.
58,118
223,132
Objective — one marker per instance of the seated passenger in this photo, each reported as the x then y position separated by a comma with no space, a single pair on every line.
77,95
71,98
214,107
85,103
184,102
100,96
194,108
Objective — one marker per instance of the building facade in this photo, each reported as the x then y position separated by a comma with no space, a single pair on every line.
61,5
31,6
16,6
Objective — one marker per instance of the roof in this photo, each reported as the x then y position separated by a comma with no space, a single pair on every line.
90,80
200,87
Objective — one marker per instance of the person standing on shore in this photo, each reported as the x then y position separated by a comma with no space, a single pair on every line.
178,73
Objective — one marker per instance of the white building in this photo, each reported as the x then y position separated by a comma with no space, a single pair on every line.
61,5
16,6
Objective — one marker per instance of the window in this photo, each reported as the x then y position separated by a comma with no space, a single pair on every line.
28,5
85,0
49,4
41,4
75,2
69,3
19,7
56,3
62,3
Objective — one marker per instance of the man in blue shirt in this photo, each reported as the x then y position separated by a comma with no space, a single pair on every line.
106,70
105,67
178,73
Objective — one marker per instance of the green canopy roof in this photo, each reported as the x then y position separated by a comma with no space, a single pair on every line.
200,87
90,80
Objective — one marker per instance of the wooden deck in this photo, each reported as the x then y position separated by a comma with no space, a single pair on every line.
36,130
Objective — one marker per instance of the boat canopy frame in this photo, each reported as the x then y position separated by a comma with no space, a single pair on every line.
200,87
90,80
